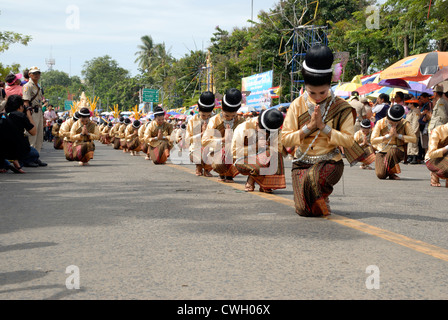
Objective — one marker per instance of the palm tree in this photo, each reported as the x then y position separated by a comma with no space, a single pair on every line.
146,53
162,61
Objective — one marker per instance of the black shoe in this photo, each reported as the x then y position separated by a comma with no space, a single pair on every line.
41,164
31,165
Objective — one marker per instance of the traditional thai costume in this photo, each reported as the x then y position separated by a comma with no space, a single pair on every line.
159,150
258,151
64,133
83,145
436,158
317,164
391,152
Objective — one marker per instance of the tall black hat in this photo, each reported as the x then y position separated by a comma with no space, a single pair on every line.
158,111
366,124
271,119
231,101
84,112
206,101
318,60
396,112
136,124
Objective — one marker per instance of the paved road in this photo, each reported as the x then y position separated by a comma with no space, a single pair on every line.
136,230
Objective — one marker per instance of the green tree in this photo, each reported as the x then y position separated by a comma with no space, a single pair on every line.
5,70
7,38
145,54
55,77
102,76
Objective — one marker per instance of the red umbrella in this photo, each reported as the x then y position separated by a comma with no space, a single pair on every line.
367,88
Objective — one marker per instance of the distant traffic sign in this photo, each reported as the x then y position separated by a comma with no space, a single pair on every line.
151,95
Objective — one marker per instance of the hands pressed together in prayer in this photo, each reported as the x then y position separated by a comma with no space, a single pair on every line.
392,133
84,131
316,120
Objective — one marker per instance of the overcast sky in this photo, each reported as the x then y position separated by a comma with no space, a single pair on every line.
114,28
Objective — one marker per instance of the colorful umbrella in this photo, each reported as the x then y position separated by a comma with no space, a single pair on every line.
394,83
386,90
419,87
345,89
438,77
416,68
367,88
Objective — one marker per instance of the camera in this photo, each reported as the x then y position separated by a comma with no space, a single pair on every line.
26,109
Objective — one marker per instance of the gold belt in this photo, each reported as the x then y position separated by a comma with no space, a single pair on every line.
315,159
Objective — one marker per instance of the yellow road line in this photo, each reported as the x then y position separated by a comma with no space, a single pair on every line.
396,238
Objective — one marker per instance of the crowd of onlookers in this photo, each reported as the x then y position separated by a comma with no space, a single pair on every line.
424,112
22,119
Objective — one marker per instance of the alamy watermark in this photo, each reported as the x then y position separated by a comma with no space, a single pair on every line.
73,280
72,22
373,280
373,20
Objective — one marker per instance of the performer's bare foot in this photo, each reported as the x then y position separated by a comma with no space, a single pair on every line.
207,174
229,180
147,158
435,181
265,190
393,176
222,178
198,171
250,185
327,202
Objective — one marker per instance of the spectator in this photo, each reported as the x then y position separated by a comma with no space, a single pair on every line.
399,99
440,111
2,96
50,117
14,84
32,96
381,107
26,77
367,107
412,118
14,144
424,117
361,112
191,115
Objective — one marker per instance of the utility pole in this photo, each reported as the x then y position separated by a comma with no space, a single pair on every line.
252,10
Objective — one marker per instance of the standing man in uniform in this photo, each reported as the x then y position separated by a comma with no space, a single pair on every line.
361,112
32,97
